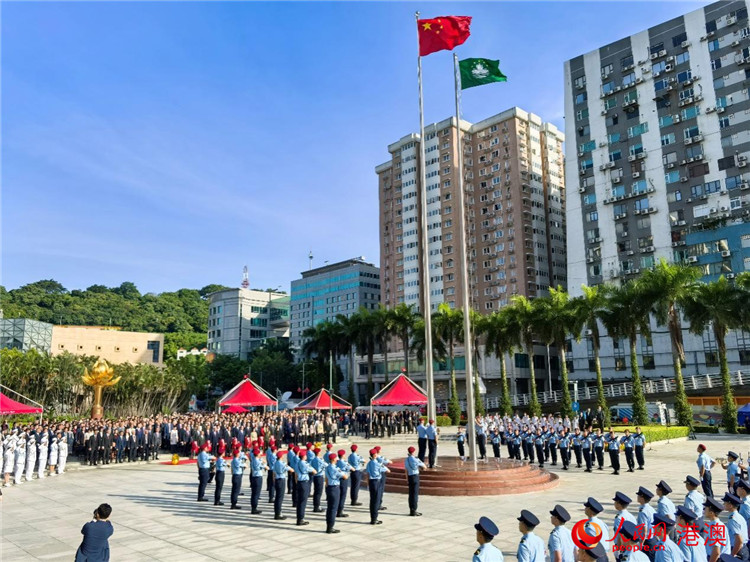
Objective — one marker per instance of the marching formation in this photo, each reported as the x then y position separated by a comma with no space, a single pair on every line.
33,450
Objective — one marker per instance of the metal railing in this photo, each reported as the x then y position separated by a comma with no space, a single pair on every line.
618,390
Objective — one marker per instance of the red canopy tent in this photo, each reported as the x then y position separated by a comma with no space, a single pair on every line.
8,407
247,393
323,400
234,410
401,391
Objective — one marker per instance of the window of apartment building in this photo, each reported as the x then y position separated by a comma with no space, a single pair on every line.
682,58
684,76
661,84
677,40
694,151
626,61
710,352
635,149
743,346
607,70
592,216
580,82
618,348
610,103
647,353
581,98
698,170
656,47
637,130
673,197
690,112
667,139
643,223
658,67
669,158
716,63
690,132
713,45
608,87
726,163
628,79
672,176
589,199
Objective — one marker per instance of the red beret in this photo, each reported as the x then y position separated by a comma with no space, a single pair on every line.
432,421
296,449
329,446
377,448
341,452
207,445
354,447
373,452
256,451
332,457
411,450
701,446
316,450
273,448
309,445
302,453
280,454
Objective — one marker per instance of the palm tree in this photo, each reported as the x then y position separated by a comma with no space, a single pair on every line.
404,319
348,330
448,324
365,340
558,322
666,287
627,313
524,319
383,325
478,328
589,309
501,340
717,305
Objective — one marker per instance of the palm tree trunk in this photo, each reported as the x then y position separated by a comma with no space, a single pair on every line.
566,408
370,368
728,408
405,343
454,405
535,409
506,407
385,358
682,406
601,400
640,412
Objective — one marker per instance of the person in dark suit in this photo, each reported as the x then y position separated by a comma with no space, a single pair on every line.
96,533
119,446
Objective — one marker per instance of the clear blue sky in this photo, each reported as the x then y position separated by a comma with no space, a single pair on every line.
169,144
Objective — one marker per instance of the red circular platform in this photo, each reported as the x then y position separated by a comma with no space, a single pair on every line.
452,477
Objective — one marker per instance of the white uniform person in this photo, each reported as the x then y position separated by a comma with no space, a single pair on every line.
53,452
9,457
43,450
62,452
30,456
20,458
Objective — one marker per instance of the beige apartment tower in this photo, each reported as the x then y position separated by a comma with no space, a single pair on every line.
515,211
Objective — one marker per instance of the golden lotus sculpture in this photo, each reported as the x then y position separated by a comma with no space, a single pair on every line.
101,375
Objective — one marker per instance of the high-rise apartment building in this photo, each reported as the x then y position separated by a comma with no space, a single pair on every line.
515,209
656,160
325,292
240,320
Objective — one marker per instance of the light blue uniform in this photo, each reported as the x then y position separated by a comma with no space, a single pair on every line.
530,549
622,516
733,469
412,465
375,469
221,464
670,553
646,517
488,552
606,543
560,539
356,461
694,502
421,431
704,461
633,556
280,469
717,537
204,460
694,552
736,525
238,467
303,470
333,475
431,432
665,507
744,509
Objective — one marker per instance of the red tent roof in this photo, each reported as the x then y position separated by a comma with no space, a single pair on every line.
247,393
234,410
322,400
401,391
8,406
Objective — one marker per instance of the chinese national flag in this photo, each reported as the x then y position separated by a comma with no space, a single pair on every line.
443,33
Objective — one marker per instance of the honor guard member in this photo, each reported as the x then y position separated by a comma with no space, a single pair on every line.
412,465
303,472
613,448
422,439
347,469
334,475
665,550
736,527
577,447
204,464
280,470
639,444
705,464
694,499
291,486
664,505
432,435
715,532
733,470
257,470
743,489
539,446
531,547
630,539
356,462
564,445
517,444
385,462
595,554
270,461
479,431
461,443
586,447
487,552
238,469
561,547
375,471
599,449
621,502
221,467
529,440
592,509
496,441
645,511
319,464
690,542
627,441
552,445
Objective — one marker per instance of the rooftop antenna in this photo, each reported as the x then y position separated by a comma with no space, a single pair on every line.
310,257
245,280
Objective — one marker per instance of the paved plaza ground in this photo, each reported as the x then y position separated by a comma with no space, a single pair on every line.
156,516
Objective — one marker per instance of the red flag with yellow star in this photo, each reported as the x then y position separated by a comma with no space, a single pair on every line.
443,33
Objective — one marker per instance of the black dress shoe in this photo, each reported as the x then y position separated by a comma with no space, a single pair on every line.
218,503
382,508
280,517
301,523
332,531
318,510
343,515
356,503
236,507
415,514
256,512
270,501
376,522
202,500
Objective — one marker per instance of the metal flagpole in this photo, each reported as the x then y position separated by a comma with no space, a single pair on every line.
330,382
464,268
425,262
